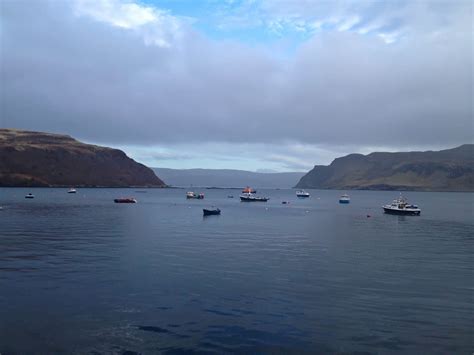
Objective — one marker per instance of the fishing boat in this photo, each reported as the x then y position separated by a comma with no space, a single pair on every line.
72,190
191,194
402,207
302,193
211,211
30,195
125,200
249,190
344,199
248,197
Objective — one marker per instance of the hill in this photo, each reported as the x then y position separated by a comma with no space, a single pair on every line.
227,178
445,170
45,159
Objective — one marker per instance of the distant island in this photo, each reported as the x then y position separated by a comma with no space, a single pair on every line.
445,170
227,178
52,160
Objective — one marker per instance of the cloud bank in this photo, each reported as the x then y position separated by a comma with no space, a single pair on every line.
124,73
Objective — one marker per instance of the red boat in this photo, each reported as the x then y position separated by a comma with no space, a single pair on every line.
125,200
248,190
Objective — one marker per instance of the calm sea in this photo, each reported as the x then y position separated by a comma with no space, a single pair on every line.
80,274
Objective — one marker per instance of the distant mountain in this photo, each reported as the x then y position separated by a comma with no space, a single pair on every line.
45,159
445,170
227,178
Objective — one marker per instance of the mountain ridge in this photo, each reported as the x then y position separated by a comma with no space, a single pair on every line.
227,178
31,158
445,170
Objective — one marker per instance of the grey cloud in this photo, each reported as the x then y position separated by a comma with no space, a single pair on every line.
70,74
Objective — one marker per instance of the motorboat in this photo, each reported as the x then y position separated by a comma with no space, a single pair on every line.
248,197
302,193
72,190
344,199
191,194
125,200
402,207
211,211
30,195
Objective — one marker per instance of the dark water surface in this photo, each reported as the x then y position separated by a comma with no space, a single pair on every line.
80,274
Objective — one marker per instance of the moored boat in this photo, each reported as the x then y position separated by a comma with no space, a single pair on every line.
249,190
302,193
402,207
125,200
30,195
248,197
344,199
72,190
211,211
191,194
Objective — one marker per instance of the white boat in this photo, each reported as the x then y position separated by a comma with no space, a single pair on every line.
302,193
402,207
344,199
72,190
192,194
30,195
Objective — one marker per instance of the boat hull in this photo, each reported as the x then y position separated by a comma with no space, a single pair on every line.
125,200
344,201
206,212
402,212
253,199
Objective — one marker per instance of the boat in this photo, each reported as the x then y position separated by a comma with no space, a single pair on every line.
248,197
125,200
344,199
211,211
402,207
191,194
230,196
302,193
30,195
249,190
285,202
72,190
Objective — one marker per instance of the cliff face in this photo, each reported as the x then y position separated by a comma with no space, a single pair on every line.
445,170
45,159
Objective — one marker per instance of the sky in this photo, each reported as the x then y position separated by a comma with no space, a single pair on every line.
278,85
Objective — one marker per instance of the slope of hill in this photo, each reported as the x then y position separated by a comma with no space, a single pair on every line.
45,159
227,178
445,170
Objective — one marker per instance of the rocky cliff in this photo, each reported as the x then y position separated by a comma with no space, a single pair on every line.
445,170
45,159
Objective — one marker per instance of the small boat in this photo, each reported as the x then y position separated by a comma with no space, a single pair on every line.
402,207
191,194
252,198
285,202
344,199
125,200
211,211
30,195
302,193
72,190
230,196
249,190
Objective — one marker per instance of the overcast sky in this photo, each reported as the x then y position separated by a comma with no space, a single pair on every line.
247,84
